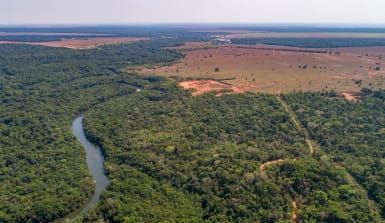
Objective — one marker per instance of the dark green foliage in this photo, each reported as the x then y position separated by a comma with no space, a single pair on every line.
43,175
205,147
210,149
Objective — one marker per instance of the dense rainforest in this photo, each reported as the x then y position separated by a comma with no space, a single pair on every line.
172,157
43,171
179,158
351,135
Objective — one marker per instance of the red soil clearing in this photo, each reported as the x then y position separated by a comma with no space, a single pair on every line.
204,86
349,96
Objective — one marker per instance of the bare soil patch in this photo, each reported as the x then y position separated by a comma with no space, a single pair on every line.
203,86
81,43
348,96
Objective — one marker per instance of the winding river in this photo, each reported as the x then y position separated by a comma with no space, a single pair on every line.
95,160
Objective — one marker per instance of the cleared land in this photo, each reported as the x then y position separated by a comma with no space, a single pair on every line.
242,35
279,69
203,86
87,43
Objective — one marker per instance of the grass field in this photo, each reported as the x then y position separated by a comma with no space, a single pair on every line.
278,69
242,35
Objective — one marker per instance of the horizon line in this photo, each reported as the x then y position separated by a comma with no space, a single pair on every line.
304,24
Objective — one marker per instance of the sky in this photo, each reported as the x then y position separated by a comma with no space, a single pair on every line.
21,12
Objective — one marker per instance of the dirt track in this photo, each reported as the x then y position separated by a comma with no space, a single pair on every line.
296,124
294,215
263,165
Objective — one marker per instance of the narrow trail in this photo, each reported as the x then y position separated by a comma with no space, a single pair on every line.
294,215
263,165
296,123
263,175
351,180
308,142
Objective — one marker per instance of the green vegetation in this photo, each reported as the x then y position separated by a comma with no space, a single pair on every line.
350,134
43,173
208,150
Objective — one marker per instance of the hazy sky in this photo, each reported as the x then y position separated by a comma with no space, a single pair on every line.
190,11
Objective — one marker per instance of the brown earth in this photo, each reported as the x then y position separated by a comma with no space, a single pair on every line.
279,69
81,43
348,96
203,86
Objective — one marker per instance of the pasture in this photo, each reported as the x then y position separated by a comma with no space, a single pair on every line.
279,69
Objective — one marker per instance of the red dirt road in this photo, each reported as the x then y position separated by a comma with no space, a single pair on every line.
262,167
294,215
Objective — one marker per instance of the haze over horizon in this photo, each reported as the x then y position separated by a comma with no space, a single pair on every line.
40,12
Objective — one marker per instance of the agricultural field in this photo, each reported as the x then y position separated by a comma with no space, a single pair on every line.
81,43
279,69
